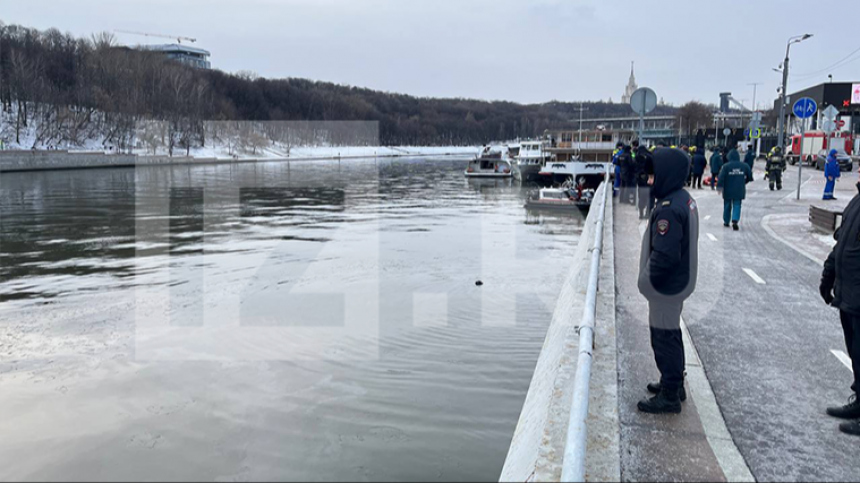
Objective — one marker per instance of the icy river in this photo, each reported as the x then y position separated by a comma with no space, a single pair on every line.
272,321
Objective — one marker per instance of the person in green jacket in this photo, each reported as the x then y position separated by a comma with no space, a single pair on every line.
733,180
716,163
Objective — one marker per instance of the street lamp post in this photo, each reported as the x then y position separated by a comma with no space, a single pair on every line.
781,122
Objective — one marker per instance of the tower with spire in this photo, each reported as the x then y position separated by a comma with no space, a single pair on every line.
631,87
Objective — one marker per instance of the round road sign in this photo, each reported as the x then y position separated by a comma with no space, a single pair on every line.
727,131
643,101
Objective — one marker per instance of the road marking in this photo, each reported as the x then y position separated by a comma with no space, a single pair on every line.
707,217
728,456
843,358
755,277
712,237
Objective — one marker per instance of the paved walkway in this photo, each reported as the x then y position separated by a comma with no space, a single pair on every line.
769,350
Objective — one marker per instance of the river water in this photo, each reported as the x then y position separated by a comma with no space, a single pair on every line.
272,321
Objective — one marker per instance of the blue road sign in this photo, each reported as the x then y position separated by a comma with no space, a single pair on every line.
746,132
804,107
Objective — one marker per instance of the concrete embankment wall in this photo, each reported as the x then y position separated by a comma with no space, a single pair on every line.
537,448
11,161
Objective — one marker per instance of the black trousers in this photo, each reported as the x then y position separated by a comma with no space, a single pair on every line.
668,343
646,202
775,178
628,191
697,181
851,328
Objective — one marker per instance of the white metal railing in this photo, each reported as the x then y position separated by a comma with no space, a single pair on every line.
573,465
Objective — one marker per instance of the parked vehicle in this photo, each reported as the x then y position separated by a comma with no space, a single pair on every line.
845,161
815,142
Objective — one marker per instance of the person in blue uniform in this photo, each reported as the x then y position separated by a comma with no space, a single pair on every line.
733,180
668,269
832,172
617,182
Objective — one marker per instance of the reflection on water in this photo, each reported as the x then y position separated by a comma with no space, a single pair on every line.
430,387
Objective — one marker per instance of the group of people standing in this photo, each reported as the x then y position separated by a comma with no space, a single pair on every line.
634,172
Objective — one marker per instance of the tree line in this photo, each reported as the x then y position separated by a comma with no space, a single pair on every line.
85,88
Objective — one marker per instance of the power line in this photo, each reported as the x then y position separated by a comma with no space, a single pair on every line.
830,67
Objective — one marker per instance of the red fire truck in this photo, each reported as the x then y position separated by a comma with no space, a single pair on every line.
816,144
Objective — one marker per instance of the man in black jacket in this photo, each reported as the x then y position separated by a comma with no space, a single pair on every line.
628,175
668,269
644,172
840,287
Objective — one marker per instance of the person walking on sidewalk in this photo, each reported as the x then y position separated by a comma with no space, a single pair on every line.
840,288
699,165
716,165
668,269
832,172
734,177
774,168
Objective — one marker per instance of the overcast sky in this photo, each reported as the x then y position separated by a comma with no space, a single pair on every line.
523,51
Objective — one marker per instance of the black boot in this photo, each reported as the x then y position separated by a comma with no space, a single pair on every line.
852,428
655,388
667,402
848,411
735,226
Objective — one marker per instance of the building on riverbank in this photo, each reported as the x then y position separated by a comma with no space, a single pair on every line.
191,56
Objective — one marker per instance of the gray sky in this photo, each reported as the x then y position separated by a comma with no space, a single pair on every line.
523,51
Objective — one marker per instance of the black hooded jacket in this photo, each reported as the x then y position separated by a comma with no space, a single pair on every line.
669,261
644,165
843,265
628,166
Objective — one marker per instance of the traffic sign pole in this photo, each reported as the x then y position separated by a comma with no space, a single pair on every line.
804,108
800,160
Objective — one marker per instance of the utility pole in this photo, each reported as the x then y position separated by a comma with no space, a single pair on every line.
581,110
755,85
781,121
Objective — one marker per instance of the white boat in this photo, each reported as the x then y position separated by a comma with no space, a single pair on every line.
587,173
569,196
489,165
531,159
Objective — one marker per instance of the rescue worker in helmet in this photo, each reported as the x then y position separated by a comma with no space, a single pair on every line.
774,168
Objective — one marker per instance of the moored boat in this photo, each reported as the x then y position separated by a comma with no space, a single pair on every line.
568,197
531,159
489,165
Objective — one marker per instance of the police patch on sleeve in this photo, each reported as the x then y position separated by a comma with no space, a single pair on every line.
692,204
663,227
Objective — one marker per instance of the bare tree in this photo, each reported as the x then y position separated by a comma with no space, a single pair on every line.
694,115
